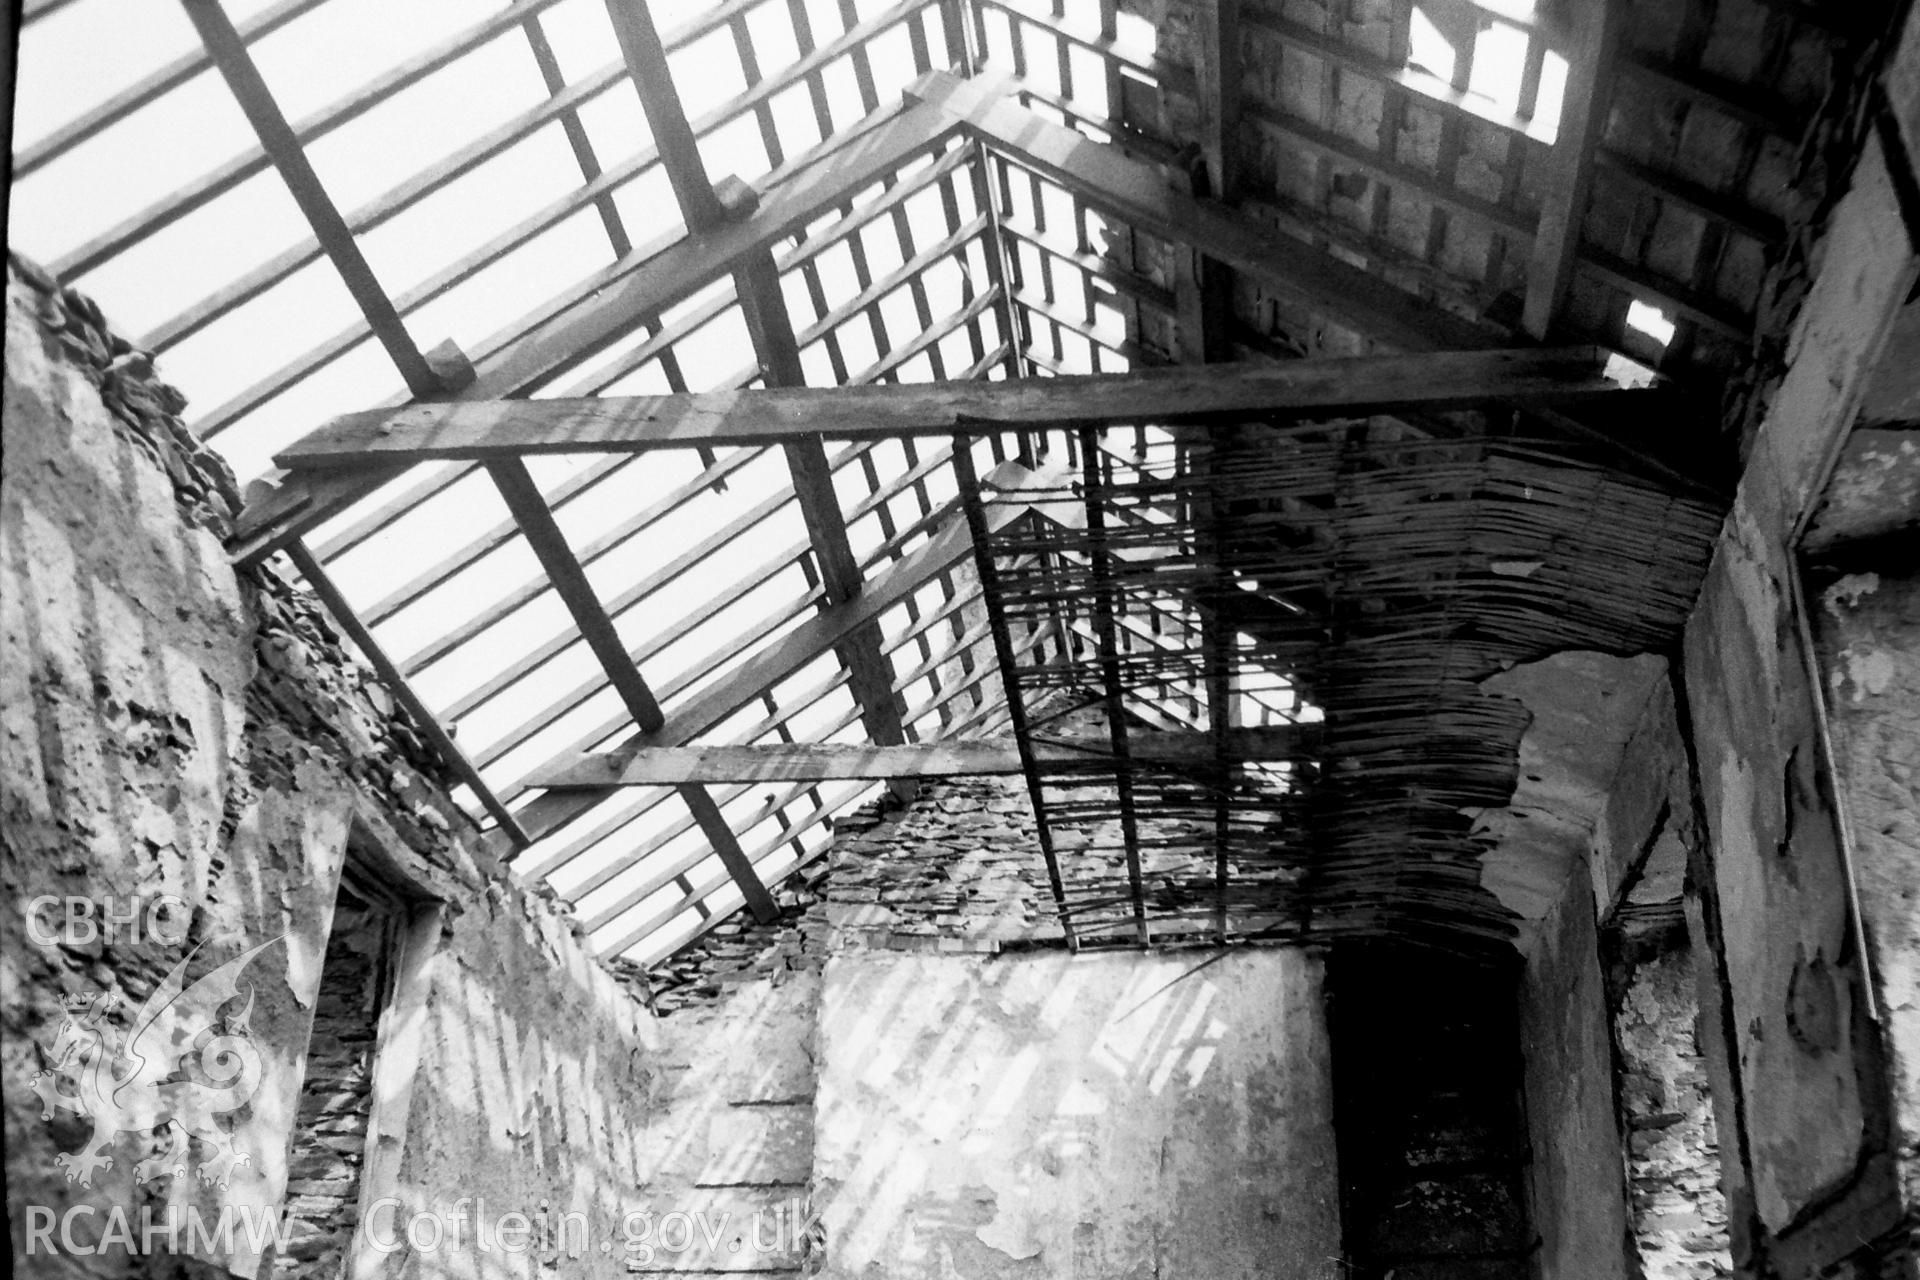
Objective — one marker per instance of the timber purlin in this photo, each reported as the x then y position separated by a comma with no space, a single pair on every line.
949,757
779,659
593,315
1323,388
1003,130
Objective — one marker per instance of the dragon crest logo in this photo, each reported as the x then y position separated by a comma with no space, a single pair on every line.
180,1066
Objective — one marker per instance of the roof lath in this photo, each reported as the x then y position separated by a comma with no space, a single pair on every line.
530,207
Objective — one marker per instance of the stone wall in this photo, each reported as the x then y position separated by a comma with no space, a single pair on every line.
1677,1210
985,1101
740,949
728,1134
175,728
1868,627
328,1153
1043,1114
959,869
1576,1189
1796,1063
175,731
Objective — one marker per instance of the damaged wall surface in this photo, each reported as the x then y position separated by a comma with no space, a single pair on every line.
1868,627
1579,1206
1581,708
174,730
1795,1061
224,749
1678,1212
1121,1115
985,1101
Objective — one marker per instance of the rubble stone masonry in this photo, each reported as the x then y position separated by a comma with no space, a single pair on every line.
174,732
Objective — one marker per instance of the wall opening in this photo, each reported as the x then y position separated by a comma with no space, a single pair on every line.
1429,1114
1676,1207
328,1154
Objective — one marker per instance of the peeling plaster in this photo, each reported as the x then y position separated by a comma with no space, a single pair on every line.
1875,489
1037,1114
1583,706
222,749
1870,671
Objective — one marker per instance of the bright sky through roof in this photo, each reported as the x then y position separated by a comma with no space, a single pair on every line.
1501,32
1428,49
713,554
518,200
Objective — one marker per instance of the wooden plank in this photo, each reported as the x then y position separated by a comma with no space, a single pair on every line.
763,304
1106,632
787,654
572,489
277,138
1570,165
1735,213
635,895
585,320
1203,286
770,329
148,89
451,637
1751,105
185,199
569,580
646,60
1301,389
422,715
393,202
1217,76
286,507
1397,80
787,762
1137,193
833,761
588,292
665,638
909,273
576,130
1131,284
747,581
726,846
1519,230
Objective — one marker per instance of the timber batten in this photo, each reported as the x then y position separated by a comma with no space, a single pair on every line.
998,191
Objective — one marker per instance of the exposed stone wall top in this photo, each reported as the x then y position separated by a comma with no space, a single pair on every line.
307,679
960,869
173,730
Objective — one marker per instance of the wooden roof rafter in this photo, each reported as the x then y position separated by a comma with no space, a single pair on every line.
761,417
928,671
534,350
1692,297
757,286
